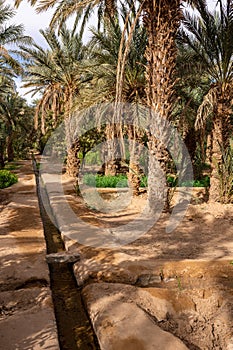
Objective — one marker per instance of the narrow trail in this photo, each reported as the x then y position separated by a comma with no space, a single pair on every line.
74,327
27,319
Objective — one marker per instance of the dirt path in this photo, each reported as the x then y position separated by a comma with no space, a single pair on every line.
26,313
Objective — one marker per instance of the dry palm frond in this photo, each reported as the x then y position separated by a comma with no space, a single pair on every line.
18,2
123,56
207,108
122,59
81,9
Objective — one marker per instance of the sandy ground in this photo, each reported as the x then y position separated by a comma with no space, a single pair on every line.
205,232
26,313
190,268
192,262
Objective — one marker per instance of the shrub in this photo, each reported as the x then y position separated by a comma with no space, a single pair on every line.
7,178
204,182
105,181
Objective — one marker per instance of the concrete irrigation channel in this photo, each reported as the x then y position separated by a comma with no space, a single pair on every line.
74,327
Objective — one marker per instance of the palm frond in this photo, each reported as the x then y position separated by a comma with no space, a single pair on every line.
207,108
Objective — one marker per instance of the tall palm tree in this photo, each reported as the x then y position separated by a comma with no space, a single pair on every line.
10,36
105,52
209,35
57,73
190,89
17,118
161,19
7,86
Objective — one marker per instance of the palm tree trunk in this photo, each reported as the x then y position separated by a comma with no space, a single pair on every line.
135,150
220,143
113,152
73,148
73,161
73,145
134,174
216,159
10,149
190,140
2,149
161,19
110,10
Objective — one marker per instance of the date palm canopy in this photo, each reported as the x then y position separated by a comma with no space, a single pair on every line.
64,10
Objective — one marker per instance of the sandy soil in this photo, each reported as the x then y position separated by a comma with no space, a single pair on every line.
193,261
189,266
26,312
205,232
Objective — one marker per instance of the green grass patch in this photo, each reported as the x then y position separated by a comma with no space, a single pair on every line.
7,178
105,181
102,181
204,182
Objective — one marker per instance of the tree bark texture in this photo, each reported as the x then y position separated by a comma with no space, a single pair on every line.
161,19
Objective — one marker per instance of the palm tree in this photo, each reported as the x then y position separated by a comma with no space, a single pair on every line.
57,73
16,120
10,35
161,19
6,87
105,52
209,35
190,89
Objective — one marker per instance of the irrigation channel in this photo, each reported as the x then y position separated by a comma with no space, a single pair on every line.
73,324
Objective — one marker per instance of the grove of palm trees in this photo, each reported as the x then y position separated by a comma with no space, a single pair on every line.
116,179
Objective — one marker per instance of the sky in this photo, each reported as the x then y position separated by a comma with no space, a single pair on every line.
33,22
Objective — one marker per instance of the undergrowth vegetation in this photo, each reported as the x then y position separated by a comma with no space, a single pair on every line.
101,181
7,178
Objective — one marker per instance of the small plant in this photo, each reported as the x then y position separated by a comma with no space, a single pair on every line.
172,180
204,182
144,181
7,178
179,283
